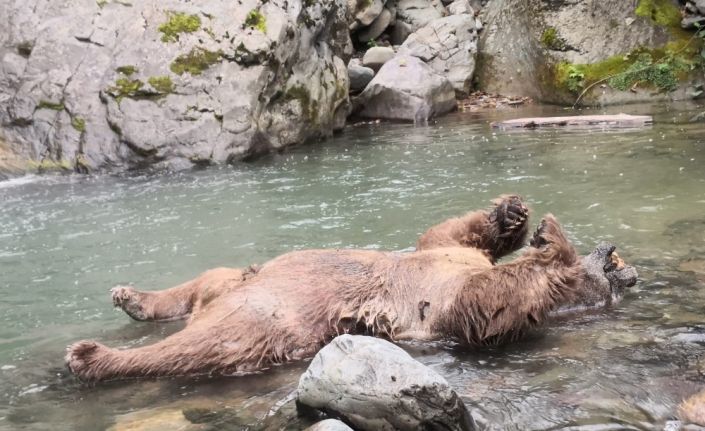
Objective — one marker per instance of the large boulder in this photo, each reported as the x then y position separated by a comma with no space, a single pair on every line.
376,56
406,88
552,51
449,45
91,85
374,385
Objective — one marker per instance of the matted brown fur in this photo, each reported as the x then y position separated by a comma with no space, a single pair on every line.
247,320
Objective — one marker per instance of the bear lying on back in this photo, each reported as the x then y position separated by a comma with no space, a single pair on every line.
245,320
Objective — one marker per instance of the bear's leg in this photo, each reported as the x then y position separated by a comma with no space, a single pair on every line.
220,343
178,302
498,231
501,303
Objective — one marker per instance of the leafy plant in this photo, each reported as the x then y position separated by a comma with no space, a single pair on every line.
660,74
576,79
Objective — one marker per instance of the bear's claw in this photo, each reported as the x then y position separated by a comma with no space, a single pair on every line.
511,215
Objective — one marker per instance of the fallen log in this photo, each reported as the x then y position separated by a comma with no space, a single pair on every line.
618,120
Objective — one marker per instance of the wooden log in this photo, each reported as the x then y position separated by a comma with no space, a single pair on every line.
618,120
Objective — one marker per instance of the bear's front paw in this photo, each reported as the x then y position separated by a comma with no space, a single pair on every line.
129,300
547,232
81,358
510,214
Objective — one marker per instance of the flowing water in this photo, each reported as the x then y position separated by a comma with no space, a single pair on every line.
64,241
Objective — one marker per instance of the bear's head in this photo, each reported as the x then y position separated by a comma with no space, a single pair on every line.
606,278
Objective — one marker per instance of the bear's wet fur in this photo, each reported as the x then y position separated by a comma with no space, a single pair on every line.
246,320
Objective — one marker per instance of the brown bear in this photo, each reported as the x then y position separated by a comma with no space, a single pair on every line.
245,320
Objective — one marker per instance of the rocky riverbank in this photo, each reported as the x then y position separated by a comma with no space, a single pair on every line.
112,85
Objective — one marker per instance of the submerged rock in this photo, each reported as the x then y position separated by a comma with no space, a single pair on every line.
406,88
329,425
116,85
449,46
375,385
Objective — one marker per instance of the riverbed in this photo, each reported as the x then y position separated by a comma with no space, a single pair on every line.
66,240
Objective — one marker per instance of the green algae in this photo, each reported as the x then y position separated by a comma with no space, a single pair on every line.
78,123
127,70
54,106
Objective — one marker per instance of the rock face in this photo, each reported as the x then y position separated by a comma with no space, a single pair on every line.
116,85
449,46
406,88
551,51
375,385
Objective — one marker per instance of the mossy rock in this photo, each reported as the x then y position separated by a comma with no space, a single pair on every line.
162,84
255,19
78,123
661,12
128,70
178,24
54,106
551,40
195,62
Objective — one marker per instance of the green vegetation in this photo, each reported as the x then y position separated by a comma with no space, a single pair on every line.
195,62
78,123
661,12
255,19
179,23
658,68
662,75
45,104
125,87
127,70
162,84
551,40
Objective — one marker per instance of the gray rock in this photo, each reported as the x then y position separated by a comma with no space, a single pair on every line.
329,425
449,45
376,28
376,56
366,11
75,77
400,32
359,76
418,13
692,21
459,7
375,385
408,89
700,5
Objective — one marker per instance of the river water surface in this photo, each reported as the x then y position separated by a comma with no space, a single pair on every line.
64,241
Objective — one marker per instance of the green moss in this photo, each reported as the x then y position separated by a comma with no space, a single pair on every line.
195,62
128,70
661,12
177,24
309,108
255,19
50,165
551,40
162,84
101,3
78,123
45,104
125,87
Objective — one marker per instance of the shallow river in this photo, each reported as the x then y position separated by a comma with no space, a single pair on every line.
64,241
